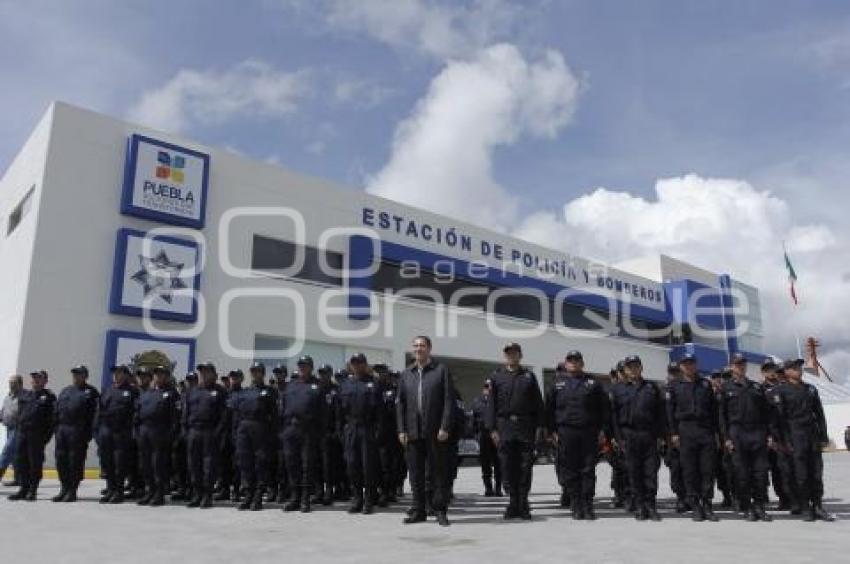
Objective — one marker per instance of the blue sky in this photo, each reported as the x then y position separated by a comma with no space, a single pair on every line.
755,91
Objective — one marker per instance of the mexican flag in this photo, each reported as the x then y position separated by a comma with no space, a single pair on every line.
792,276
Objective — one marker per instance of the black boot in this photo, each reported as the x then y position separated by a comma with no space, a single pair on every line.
356,503
697,510
63,491
71,496
107,495
488,487
821,513
18,495
497,490
652,511
306,505
294,503
223,494
158,498
257,502
589,513
271,496
196,498
577,508
383,499
368,504
117,496
708,511
641,512
247,501
146,499
758,508
682,506
809,514
206,499
525,510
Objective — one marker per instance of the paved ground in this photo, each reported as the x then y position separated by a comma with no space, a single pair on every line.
89,532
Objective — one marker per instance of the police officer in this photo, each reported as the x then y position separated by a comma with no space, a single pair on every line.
229,476
34,429
282,480
723,472
179,455
204,420
638,414
692,416
157,422
115,433
330,447
389,449
577,419
514,415
747,429
488,455
671,453
254,414
359,417
615,456
76,409
803,433
565,501
778,463
304,424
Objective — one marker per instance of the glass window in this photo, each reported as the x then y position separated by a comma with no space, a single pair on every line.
270,254
20,211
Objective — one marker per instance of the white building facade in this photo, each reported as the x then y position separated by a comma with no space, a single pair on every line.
123,244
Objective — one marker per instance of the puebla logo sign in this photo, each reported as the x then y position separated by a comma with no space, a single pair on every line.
165,182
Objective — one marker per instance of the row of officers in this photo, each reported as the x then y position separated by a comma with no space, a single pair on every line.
726,430
287,442
300,441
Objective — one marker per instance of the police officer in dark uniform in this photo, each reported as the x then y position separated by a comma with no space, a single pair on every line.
115,433
692,416
488,454
229,475
254,414
577,418
76,409
515,413
157,421
747,428
638,414
615,456
359,417
304,423
35,427
723,471
671,453
204,420
282,489
778,476
179,455
803,433
330,446
389,449
565,501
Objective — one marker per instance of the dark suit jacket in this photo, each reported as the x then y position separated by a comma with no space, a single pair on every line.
437,399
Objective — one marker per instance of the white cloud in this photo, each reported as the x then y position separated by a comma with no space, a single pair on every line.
724,225
442,153
250,89
441,29
360,93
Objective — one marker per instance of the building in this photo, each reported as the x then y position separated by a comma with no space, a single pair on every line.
288,265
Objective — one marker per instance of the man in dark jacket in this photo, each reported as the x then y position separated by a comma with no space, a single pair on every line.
34,429
515,412
424,419
76,409
254,411
115,433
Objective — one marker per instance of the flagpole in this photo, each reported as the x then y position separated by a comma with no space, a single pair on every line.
794,306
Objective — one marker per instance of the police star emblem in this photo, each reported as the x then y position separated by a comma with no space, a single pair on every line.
159,276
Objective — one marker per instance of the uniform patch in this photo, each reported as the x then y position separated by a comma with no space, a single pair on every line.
126,393
314,386
213,393
370,385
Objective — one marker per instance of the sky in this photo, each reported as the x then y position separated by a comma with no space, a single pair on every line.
709,131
